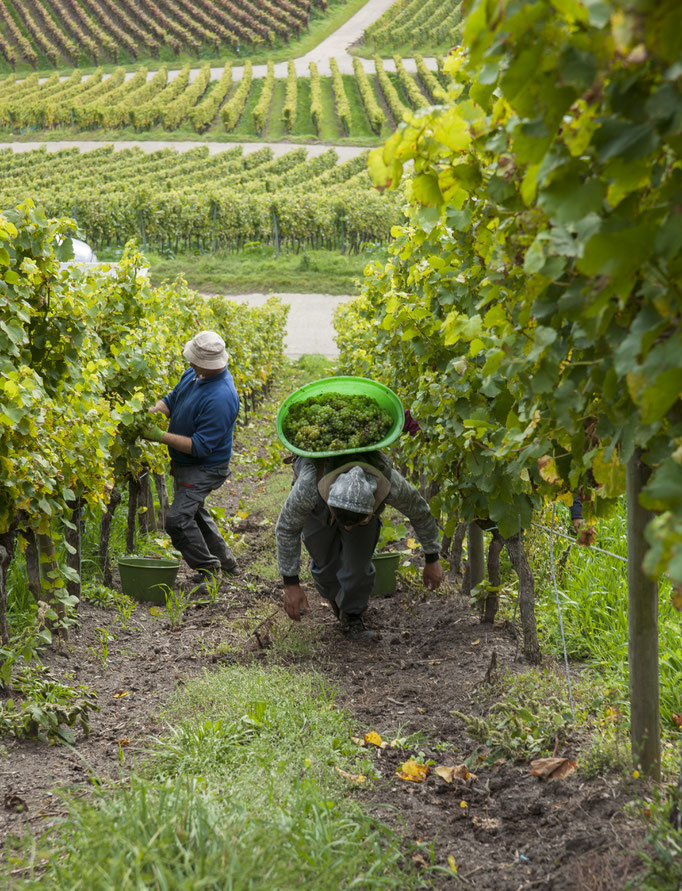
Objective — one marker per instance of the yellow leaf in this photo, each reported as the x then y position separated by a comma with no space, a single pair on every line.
452,772
157,612
452,863
353,777
374,739
412,543
413,771
121,694
547,468
475,643
463,804
242,514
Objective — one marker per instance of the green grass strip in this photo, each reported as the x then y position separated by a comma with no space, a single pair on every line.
242,793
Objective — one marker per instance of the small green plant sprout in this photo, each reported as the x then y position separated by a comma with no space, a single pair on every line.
124,608
177,603
101,653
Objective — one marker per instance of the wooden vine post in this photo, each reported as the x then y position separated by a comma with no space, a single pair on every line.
476,555
645,727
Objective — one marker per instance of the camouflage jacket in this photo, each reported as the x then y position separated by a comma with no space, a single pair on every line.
303,501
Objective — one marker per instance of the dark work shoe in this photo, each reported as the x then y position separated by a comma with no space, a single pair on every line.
206,573
230,567
353,626
335,609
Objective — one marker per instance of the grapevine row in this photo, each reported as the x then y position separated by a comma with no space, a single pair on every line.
291,97
111,101
233,108
168,199
315,97
204,113
93,29
374,112
341,102
179,109
412,91
262,107
391,96
430,81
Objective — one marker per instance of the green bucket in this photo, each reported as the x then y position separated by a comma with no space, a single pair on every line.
355,386
386,566
141,577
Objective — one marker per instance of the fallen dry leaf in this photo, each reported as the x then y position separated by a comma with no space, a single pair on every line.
412,543
463,804
552,768
121,694
354,777
678,719
374,739
413,771
587,536
475,643
452,863
157,612
419,860
453,772
358,740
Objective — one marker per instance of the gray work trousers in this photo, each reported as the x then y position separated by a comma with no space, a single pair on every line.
341,562
190,526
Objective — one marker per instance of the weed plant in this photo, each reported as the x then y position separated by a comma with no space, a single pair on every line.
593,596
241,792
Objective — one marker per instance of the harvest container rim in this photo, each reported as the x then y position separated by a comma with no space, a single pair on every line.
361,386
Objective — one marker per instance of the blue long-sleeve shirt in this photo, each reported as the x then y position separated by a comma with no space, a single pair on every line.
205,409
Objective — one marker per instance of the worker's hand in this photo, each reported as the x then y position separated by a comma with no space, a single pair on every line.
152,433
295,601
159,407
432,575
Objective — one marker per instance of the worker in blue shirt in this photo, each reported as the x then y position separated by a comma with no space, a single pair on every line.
203,409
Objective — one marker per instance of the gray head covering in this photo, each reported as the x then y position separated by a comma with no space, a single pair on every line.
207,350
353,490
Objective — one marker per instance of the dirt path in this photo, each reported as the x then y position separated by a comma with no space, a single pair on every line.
310,327
504,829
345,152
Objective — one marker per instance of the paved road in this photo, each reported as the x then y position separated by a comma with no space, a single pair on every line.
309,326
345,152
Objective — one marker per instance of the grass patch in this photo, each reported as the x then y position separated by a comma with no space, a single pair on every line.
258,269
304,123
274,128
242,792
330,129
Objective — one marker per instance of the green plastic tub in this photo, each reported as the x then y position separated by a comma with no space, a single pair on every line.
355,386
142,577
386,566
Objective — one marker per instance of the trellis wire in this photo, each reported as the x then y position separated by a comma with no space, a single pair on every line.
576,544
